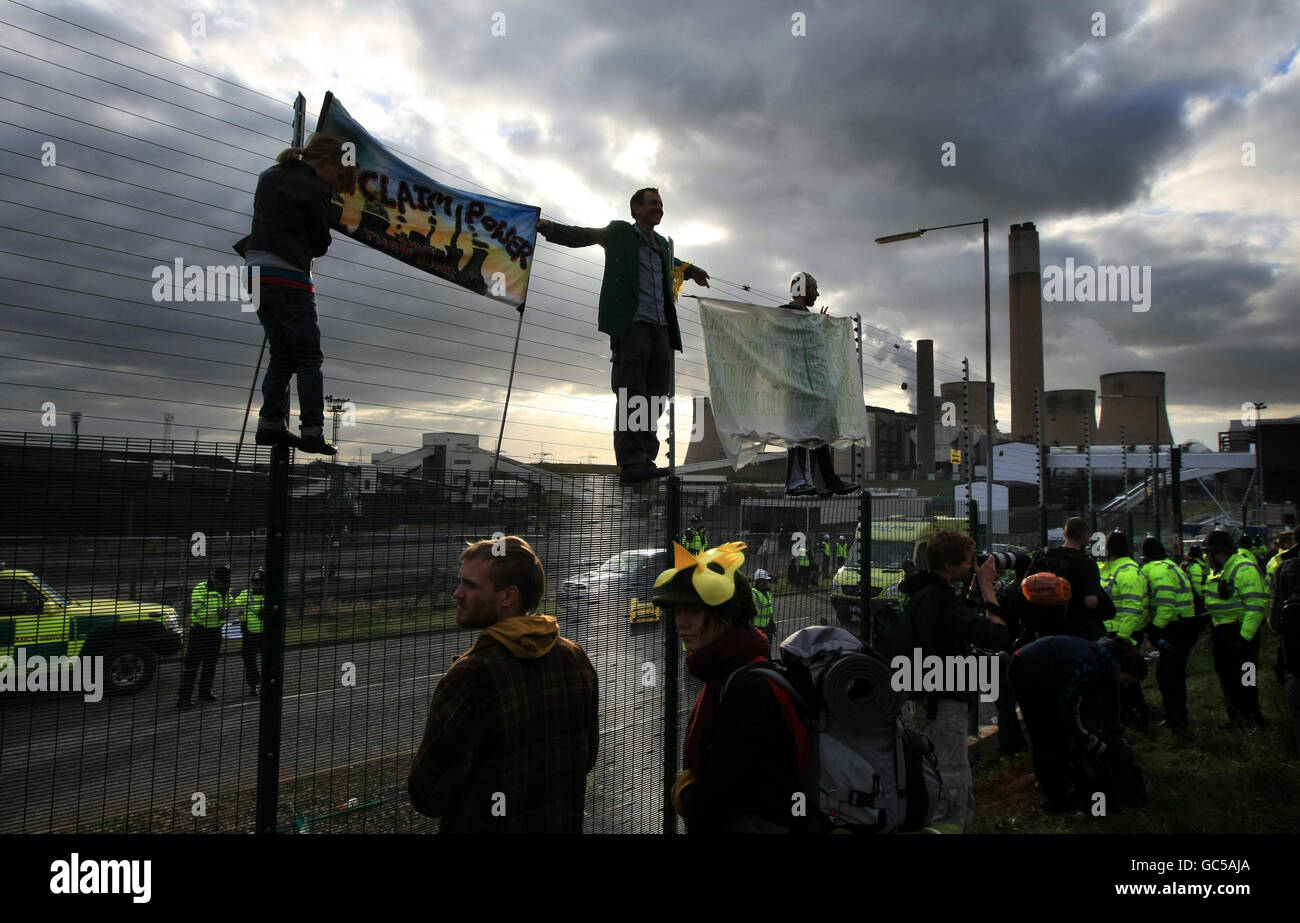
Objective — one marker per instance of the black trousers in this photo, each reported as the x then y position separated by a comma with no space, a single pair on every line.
1010,737
252,648
201,659
1132,702
1230,654
642,364
1171,670
1047,732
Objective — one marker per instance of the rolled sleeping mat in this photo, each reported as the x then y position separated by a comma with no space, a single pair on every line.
856,689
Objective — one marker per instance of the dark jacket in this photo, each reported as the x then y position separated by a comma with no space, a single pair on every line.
742,749
510,739
1286,582
1067,672
1077,619
618,288
944,626
290,215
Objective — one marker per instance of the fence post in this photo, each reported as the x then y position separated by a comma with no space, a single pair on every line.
672,519
864,568
268,730
277,534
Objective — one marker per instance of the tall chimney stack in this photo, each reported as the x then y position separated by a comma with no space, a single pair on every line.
1026,321
925,406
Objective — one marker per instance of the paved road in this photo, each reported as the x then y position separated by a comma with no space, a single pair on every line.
69,765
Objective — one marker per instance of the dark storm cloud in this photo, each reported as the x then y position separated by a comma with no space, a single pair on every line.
802,149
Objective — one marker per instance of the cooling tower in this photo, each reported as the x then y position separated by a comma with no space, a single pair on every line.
1026,323
1139,408
1066,414
952,391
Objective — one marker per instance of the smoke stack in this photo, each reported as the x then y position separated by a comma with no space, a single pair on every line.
1026,321
925,406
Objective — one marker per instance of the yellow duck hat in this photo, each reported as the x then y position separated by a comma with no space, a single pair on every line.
713,575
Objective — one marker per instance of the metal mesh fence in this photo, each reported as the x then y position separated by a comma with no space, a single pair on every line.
109,538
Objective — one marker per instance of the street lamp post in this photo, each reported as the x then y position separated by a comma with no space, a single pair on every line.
988,360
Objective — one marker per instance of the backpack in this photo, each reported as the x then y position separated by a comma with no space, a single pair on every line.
872,773
1041,615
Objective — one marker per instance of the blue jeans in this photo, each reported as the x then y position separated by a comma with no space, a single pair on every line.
289,319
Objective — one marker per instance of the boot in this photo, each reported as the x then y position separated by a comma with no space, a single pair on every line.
823,474
796,473
313,441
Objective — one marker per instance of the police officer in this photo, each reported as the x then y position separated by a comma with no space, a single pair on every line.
1235,599
1284,542
1260,549
804,563
841,550
1128,591
251,601
1174,629
1198,574
209,604
765,620
828,555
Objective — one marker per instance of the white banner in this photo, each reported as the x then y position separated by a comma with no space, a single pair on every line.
782,378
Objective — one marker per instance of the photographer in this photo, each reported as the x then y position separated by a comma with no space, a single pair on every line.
945,625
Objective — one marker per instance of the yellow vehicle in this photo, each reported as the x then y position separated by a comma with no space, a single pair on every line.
130,636
893,542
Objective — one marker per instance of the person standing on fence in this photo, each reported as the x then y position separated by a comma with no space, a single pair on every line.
746,753
638,311
514,724
810,471
945,626
1174,629
291,226
251,602
209,605
1236,602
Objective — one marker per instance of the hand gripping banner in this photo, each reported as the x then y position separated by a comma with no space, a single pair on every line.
781,377
478,242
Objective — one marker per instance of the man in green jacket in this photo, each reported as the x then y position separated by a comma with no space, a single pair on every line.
1128,591
250,604
1236,600
1198,573
1174,628
638,312
209,605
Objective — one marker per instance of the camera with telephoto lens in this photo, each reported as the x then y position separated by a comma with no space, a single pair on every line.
1003,560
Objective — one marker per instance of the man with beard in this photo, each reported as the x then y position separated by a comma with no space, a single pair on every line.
513,726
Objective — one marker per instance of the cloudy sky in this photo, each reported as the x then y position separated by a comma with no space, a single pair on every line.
1170,142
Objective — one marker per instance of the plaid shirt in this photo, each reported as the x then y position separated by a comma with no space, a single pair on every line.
509,742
